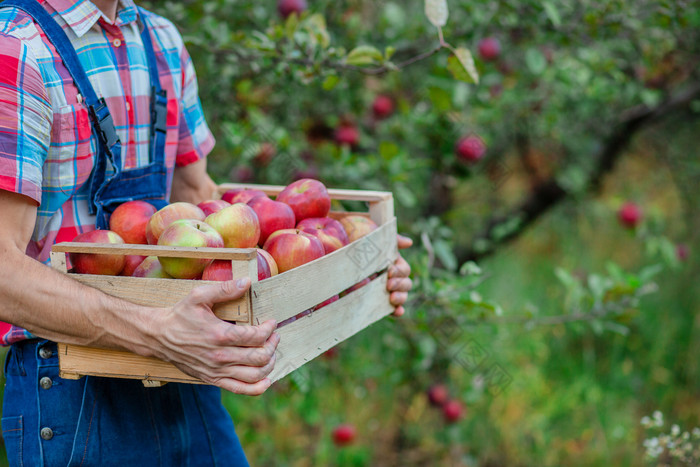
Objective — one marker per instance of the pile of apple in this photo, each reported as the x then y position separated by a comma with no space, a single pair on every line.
289,231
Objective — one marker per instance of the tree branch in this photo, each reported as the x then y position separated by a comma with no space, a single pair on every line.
549,193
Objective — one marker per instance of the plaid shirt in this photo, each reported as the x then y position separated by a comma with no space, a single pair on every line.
46,146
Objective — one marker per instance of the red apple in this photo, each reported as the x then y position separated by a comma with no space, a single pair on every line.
265,154
87,263
489,48
344,434
382,107
334,298
151,267
129,221
682,251
630,215
470,148
167,215
271,264
291,250
278,233
331,353
238,225
357,226
131,263
453,411
220,269
438,394
213,205
307,198
241,195
359,285
187,232
347,135
272,215
329,231
242,174
287,7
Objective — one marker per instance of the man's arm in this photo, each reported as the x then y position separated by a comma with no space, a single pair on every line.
191,183
51,305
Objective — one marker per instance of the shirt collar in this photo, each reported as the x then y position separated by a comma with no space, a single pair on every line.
81,15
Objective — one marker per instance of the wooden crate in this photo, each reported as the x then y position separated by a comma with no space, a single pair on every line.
280,297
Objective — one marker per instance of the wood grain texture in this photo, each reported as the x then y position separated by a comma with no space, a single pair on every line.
306,338
288,294
242,254
78,360
335,193
163,293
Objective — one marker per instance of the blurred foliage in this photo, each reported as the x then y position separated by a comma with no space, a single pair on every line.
558,343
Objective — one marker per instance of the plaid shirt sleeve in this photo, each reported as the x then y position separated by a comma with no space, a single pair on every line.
25,119
196,140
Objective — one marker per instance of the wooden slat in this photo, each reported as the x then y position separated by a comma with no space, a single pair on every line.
243,254
163,293
381,212
288,294
78,360
335,193
337,215
58,261
310,336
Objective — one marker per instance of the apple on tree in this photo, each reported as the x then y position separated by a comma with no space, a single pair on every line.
630,215
129,221
90,263
288,7
344,434
382,107
187,232
453,410
470,148
331,232
347,134
489,49
167,215
307,198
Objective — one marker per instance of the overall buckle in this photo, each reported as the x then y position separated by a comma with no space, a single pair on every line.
159,110
104,123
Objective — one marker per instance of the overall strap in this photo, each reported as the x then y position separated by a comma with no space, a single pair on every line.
159,98
102,123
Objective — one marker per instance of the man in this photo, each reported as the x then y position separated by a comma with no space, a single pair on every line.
63,167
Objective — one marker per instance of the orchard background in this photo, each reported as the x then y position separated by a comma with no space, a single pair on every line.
549,178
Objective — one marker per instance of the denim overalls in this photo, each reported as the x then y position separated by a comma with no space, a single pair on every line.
49,421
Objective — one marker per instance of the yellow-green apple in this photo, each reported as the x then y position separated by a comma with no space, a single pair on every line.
307,198
129,221
88,263
213,205
241,195
167,215
357,226
238,225
294,249
272,215
221,269
331,232
151,267
192,233
131,263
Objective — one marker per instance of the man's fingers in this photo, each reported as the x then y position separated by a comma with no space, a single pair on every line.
400,268
221,292
404,242
248,336
240,387
398,298
399,311
403,284
253,374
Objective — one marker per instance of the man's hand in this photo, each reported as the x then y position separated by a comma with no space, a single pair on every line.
235,358
399,284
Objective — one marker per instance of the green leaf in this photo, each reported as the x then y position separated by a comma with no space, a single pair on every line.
436,11
330,82
364,55
316,25
444,253
389,52
535,61
552,13
461,65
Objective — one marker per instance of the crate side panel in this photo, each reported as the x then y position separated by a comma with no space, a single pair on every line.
288,294
163,293
74,359
305,339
